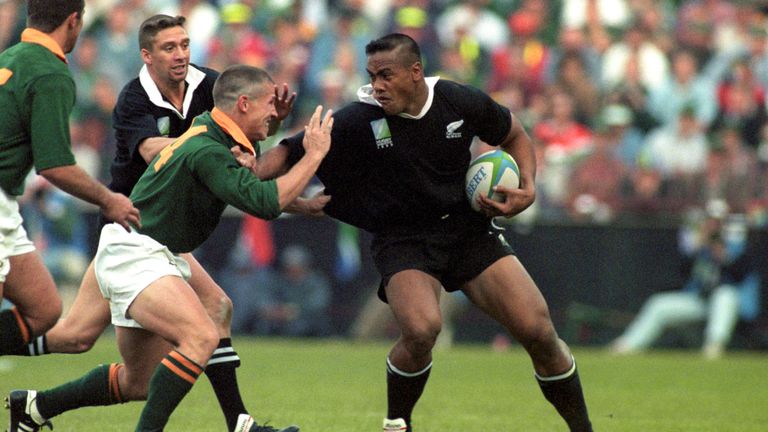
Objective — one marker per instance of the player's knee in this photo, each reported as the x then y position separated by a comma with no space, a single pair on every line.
538,336
200,343
44,316
420,339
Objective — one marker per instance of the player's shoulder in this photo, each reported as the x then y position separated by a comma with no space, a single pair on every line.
457,91
357,111
132,94
210,74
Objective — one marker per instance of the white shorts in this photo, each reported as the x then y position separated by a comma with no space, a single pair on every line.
126,263
13,237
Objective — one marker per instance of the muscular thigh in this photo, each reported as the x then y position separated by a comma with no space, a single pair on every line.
29,283
414,297
200,281
506,292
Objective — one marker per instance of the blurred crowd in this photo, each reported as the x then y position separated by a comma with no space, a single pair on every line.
639,109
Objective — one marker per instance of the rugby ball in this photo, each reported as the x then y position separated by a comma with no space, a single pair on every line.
492,168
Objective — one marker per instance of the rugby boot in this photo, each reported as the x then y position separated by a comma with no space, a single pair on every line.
396,425
24,415
246,423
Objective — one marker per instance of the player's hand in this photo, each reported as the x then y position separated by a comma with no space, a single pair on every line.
245,159
515,201
317,134
284,101
309,206
120,209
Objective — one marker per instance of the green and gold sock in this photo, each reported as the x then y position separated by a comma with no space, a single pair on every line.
172,380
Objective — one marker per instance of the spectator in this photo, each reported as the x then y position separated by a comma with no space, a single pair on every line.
525,57
627,140
741,103
118,43
679,149
475,21
731,170
598,181
650,60
294,300
236,42
685,87
722,286
573,78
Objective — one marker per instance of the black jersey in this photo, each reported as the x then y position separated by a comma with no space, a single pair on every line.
141,112
400,172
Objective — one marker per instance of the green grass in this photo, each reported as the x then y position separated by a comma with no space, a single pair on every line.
338,386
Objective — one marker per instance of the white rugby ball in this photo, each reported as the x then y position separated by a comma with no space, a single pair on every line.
492,168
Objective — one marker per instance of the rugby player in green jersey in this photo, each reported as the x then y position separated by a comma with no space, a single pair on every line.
152,111
182,195
37,94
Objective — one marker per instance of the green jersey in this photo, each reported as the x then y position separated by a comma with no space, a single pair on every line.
184,190
37,94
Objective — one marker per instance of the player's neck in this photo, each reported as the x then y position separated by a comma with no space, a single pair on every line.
173,92
420,97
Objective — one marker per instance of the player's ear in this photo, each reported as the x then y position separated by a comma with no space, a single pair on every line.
242,103
73,20
417,71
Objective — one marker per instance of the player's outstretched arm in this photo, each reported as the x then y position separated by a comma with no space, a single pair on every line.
317,142
73,180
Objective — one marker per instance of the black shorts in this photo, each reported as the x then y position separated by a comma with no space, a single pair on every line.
452,256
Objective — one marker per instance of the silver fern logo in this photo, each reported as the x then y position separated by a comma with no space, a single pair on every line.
450,130
164,126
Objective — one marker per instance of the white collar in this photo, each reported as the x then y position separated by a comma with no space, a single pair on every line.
193,79
365,95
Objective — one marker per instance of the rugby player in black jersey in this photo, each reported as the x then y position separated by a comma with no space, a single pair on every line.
396,169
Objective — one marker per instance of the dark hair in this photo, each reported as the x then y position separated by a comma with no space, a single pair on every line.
407,48
48,15
238,80
153,25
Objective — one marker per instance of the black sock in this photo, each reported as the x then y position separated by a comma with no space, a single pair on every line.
223,377
565,393
14,333
404,390
37,347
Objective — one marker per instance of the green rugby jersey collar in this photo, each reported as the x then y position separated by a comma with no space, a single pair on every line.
35,36
232,129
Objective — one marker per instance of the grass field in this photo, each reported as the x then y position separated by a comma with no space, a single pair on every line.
338,386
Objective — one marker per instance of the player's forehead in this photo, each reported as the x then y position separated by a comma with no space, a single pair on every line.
384,60
171,35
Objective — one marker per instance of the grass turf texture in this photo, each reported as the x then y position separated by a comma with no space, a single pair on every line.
338,386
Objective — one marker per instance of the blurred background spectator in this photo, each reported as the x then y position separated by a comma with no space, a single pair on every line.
722,286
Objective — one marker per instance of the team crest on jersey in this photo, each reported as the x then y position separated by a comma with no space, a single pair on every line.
164,126
450,130
381,133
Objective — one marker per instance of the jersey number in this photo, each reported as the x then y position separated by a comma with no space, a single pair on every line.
5,75
167,152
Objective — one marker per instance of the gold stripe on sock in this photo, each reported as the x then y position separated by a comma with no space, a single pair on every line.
114,381
22,325
186,362
177,370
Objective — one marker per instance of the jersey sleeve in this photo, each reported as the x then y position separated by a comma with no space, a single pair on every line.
51,100
295,148
493,121
214,166
132,119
